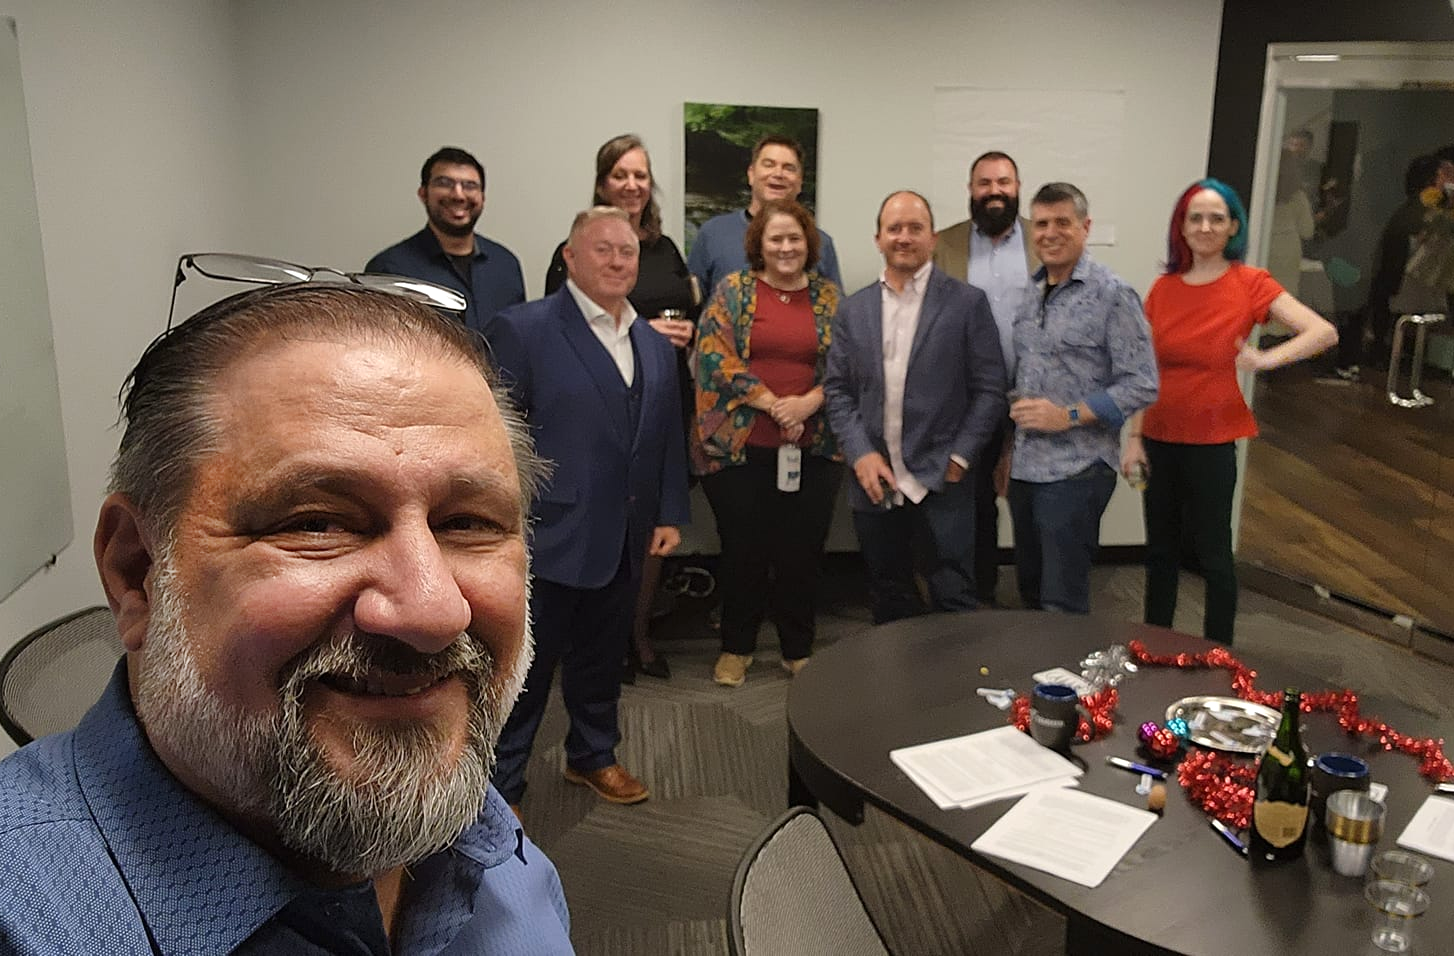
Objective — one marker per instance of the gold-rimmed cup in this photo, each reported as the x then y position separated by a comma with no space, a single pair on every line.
1354,822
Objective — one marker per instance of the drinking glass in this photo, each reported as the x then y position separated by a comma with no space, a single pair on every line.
1397,904
1400,866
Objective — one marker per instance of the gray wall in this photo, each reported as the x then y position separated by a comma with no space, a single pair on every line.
295,128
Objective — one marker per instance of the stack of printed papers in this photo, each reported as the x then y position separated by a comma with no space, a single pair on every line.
1066,833
967,771
1432,829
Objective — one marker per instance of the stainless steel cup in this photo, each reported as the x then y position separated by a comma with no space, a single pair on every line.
1354,821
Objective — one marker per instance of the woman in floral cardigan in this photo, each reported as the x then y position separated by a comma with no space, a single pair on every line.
768,463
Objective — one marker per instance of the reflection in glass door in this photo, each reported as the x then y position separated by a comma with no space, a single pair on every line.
1346,490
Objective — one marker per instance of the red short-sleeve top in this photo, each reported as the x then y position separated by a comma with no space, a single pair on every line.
1195,330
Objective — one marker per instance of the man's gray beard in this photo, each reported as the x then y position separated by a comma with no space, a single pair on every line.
397,806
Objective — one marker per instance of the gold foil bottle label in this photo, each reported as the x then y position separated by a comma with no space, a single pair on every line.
1279,823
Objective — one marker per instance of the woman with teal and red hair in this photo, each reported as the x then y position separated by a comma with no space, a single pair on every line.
1202,311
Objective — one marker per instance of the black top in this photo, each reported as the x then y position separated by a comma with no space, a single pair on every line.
662,280
1393,252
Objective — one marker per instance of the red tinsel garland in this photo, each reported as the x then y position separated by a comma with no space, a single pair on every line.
1223,787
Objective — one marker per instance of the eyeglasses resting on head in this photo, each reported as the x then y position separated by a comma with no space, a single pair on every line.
230,267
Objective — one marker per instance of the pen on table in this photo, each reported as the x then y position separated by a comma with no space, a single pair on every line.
1135,767
1229,835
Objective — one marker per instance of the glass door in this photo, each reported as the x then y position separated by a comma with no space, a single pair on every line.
1350,488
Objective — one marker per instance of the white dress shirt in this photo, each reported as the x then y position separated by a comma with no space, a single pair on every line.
900,321
614,336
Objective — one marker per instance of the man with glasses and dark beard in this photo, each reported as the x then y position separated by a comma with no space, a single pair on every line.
315,549
991,250
448,251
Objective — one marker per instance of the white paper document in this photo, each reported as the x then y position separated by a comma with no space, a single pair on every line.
1431,830
967,771
1067,833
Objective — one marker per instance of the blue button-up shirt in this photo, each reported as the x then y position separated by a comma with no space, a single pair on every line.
1088,343
998,267
496,282
720,250
103,851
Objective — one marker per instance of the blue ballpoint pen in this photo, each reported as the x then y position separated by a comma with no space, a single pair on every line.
1135,767
1229,835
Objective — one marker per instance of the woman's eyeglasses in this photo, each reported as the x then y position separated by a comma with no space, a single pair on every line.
258,271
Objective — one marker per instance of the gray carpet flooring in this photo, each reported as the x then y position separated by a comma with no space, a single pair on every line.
655,878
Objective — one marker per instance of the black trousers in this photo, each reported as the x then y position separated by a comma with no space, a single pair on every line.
772,548
987,517
1188,507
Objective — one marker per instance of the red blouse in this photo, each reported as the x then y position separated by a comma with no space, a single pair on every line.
784,353
1195,330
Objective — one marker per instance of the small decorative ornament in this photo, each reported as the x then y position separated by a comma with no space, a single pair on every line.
1109,667
1161,742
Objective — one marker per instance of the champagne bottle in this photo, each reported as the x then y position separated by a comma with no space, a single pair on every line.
1280,809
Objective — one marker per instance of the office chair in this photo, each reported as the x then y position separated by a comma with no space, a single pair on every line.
793,896
55,673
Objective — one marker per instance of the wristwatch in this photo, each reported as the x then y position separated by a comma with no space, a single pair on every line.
1074,412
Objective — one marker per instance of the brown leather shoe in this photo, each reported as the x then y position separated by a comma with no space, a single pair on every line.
614,783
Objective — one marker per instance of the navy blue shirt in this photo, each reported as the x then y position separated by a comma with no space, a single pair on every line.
495,279
719,250
103,851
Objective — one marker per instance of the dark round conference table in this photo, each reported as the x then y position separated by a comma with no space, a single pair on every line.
1181,888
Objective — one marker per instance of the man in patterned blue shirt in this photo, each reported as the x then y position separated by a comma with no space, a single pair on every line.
1083,364
315,550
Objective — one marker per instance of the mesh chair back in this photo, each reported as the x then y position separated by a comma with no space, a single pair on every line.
793,896
54,675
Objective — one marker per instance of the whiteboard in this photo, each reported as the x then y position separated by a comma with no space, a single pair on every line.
35,493
1073,136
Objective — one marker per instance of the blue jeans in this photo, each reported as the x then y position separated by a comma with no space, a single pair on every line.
939,531
1057,531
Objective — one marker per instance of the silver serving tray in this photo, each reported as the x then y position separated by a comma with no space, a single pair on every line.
1227,723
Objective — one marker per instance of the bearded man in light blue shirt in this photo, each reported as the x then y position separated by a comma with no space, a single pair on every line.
991,250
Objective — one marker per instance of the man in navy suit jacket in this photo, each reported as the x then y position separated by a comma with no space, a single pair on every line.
915,387
599,391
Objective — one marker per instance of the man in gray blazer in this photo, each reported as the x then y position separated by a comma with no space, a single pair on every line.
992,251
914,388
